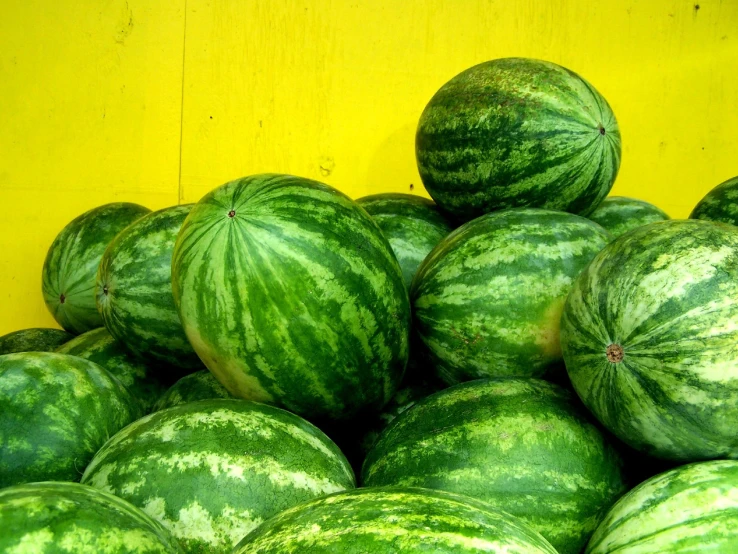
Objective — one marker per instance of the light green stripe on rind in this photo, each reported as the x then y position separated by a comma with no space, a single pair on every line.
33,340
667,294
720,204
200,385
407,520
619,214
691,509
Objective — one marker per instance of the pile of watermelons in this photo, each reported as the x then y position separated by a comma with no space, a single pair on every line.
521,366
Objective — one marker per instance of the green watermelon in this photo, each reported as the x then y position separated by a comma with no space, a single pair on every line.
388,520
619,214
200,385
522,445
41,518
487,300
649,336
412,224
517,132
134,290
68,278
142,380
720,204
33,340
57,411
291,295
212,470
690,509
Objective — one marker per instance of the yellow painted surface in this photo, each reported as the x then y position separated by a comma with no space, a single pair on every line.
158,102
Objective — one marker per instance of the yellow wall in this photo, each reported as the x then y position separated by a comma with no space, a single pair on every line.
160,101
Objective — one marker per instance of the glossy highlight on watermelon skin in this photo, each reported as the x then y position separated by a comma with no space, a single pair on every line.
37,339
291,295
517,132
720,204
200,385
649,332
619,214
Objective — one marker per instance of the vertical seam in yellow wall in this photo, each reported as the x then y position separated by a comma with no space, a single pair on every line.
180,190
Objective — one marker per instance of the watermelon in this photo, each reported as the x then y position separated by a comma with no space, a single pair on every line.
720,204
68,277
619,214
212,470
33,340
291,295
200,385
488,299
649,333
412,224
53,517
386,520
517,132
522,445
57,411
134,290
690,509
140,379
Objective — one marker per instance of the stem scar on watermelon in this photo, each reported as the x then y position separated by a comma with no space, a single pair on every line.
615,353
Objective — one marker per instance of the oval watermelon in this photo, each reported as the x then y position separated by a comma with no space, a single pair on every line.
720,204
649,333
57,411
488,299
619,214
68,278
291,295
69,517
200,385
33,340
520,444
210,471
384,520
517,132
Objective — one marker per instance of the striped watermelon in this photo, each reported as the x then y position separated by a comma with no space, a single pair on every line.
291,295
520,444
50,517
388,520
56,412
33,340
134,290
142,380
412,224
210,471
690,509
720,204
488,299
517,132
619,214
68,278
649,335
200,385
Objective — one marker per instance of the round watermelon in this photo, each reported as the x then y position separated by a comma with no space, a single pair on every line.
488,299
50,517
619,214
134,290
520,444
68,278
56,411
517,132
412,224
291,295
210,471
200,385
720,204
690,509
384,520
33,340
649,336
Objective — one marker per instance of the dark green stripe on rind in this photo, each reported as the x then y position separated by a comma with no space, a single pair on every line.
68,278
487,300
200,385
691,509
520,444
212,470
720,204
49,518
517,132
384,520
290,294
667,295
619,214
56,412
33,340
134,290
